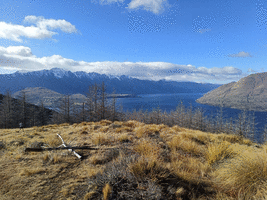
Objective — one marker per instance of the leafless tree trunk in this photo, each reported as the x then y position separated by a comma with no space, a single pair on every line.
7,110
66,108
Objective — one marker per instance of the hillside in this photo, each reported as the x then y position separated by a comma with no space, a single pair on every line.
133,161
14,111
67,82
248,93
50,98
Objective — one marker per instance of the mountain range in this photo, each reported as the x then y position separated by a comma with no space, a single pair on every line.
67,82
248,93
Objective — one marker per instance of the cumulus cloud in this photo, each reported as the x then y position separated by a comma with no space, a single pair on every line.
21,58
41,28
241,54
155,6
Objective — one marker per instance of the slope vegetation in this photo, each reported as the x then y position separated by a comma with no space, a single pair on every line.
133,161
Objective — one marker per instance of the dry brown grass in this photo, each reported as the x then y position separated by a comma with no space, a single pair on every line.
246,175
29,172
184,143
147,148
170,162
147,130
107,191
124,138
219,151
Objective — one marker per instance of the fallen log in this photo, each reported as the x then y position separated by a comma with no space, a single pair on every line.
57,148
61,147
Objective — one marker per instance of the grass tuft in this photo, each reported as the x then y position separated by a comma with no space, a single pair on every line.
244,176
107,190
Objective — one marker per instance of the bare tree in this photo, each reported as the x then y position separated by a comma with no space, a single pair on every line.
113,106
24,111
92,100
103,102
7,110
66,108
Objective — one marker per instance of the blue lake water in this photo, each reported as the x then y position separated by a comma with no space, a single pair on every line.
169,102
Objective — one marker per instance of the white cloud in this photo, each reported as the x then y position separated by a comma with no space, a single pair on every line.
21,58
41,30
241,54
155,6
44,24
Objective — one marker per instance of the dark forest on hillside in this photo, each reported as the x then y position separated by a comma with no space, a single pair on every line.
16,111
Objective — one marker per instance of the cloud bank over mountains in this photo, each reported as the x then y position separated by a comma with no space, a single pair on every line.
22,58
40,28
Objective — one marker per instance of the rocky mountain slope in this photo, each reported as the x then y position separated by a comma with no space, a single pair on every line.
248,93
66,82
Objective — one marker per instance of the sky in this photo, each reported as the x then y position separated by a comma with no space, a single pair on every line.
203,41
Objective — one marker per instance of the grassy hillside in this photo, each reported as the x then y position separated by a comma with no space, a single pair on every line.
134,161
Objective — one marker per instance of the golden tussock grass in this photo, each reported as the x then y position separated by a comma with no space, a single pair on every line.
188,161
132,123
89,195
84,130
124,138
29,172
190,169
147,148
105,122
177,128
245,175
123,129
180,191
149,167
229,138
118,122
185,144
46,157
104,129
219,151
107,190
147,130
101,138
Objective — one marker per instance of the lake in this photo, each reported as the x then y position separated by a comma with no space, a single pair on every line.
169,102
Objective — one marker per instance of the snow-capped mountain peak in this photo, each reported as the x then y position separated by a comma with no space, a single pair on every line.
59,73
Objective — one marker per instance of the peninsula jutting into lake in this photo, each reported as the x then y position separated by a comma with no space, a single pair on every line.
248,93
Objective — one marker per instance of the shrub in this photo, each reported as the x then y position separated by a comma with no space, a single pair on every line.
123,182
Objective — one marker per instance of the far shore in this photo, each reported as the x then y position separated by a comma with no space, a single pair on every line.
122,96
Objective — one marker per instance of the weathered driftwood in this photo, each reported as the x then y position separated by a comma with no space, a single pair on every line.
64,145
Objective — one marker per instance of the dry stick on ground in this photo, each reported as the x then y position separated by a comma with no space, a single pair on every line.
61,148
63,144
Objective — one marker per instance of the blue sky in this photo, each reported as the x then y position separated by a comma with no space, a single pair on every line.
202,41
